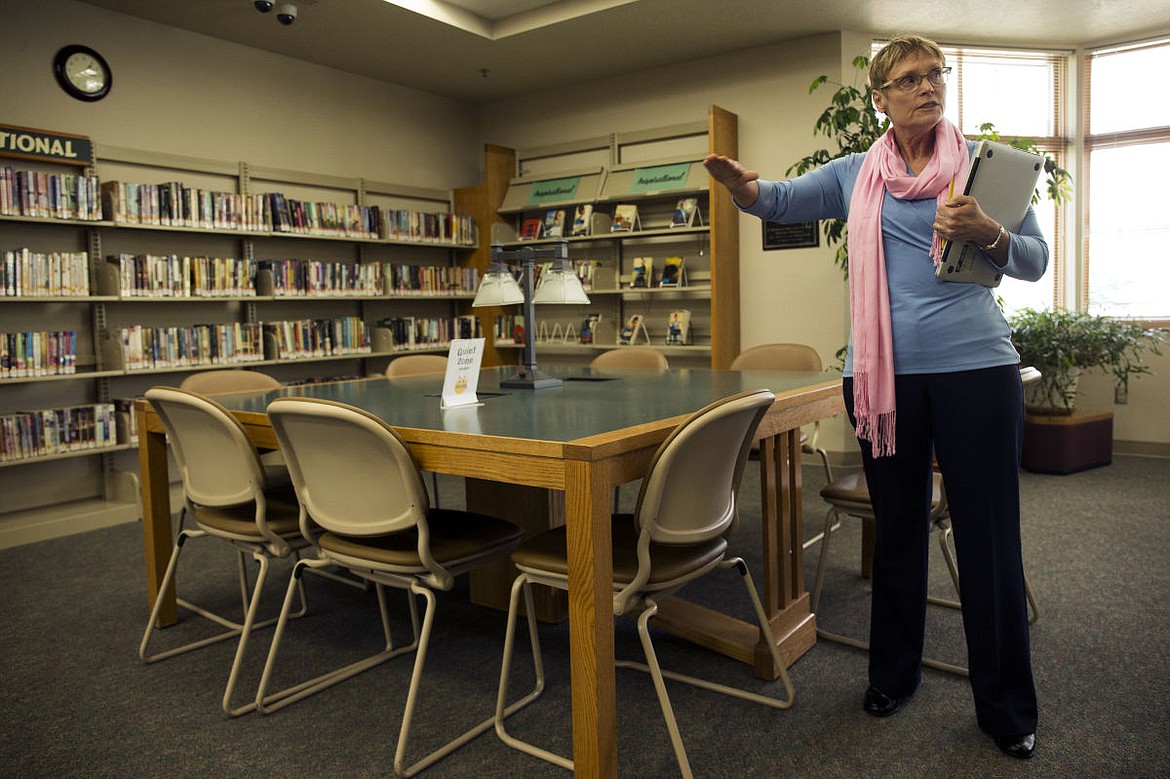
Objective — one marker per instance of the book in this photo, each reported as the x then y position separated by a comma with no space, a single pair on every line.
678,327
554,223
530,229
625,218
584,269
672,272
582,216
629,333
684,212
588,328
643,273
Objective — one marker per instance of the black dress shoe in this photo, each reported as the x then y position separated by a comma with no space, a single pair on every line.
877,704
1020,747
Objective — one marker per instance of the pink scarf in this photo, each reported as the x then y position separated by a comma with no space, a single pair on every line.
869,296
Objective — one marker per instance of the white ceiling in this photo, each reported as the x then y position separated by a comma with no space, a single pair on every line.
525,45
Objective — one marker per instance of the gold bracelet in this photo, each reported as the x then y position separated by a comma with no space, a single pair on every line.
998,238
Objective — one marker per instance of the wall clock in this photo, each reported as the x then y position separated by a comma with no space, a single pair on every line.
82,72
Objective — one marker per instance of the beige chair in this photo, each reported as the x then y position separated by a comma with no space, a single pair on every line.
238,380
678,533
419,365
631,357
227,494
789,357
416,364
643,357
849,496
224,380
228,380
365,508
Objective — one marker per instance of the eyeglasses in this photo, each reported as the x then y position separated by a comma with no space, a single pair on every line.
936,77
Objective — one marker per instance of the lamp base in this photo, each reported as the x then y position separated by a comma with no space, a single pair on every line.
531,379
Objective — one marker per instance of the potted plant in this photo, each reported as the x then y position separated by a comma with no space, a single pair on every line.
1062,344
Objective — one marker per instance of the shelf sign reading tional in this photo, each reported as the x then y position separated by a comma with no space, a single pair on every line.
660,177
791,235
553,190
44,145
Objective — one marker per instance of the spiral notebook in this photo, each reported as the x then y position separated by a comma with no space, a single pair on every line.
1002,178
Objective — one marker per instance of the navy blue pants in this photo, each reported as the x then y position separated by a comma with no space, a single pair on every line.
972,422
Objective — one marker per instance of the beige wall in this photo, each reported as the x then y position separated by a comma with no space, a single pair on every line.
182,93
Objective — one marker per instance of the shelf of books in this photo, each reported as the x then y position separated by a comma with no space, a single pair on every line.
134,268
655,244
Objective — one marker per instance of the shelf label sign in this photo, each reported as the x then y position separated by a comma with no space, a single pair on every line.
660,177
553,190
45,145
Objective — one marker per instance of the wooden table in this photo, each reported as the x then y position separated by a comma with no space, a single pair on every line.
598,430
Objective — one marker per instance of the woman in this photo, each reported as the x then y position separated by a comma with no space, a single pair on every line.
930,373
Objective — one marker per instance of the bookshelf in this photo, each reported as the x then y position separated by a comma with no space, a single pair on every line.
185,270
652,170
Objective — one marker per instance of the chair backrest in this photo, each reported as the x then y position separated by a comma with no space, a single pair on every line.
689,492
218,462
415,364
631,357
351,471
778,357
228,380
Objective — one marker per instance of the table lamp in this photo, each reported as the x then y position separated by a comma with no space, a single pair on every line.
558,284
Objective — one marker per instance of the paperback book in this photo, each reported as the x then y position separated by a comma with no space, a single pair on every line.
588,328
629,333
554,223
625,219
530,229
672,272
684,212
678,327
581,218
643,272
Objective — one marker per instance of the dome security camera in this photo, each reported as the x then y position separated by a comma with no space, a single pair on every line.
263,6
286,14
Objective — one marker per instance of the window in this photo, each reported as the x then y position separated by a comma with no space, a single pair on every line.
1021,93
1127,142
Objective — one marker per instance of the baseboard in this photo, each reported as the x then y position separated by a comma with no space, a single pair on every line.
1132,448
1141,448
66,519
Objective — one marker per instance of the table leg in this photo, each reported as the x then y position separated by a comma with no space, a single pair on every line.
156,513
782,528
587,495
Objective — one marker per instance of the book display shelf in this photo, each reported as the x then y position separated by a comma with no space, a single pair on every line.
155,266
650,236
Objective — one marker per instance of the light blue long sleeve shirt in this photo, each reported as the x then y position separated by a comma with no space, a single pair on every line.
938,326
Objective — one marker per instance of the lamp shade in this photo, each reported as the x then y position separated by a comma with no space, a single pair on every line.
560,285
498,287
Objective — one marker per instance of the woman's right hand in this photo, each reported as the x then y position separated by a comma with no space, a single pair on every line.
740,181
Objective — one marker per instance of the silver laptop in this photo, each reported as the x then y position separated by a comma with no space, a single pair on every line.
1002,178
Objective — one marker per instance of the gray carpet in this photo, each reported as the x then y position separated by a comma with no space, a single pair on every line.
75,701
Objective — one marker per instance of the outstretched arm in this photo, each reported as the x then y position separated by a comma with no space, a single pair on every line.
740,181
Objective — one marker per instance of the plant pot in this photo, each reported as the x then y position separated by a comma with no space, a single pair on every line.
1067,443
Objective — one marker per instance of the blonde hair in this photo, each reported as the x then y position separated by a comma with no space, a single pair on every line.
897,49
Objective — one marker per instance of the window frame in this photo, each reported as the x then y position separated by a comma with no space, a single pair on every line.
1109,140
